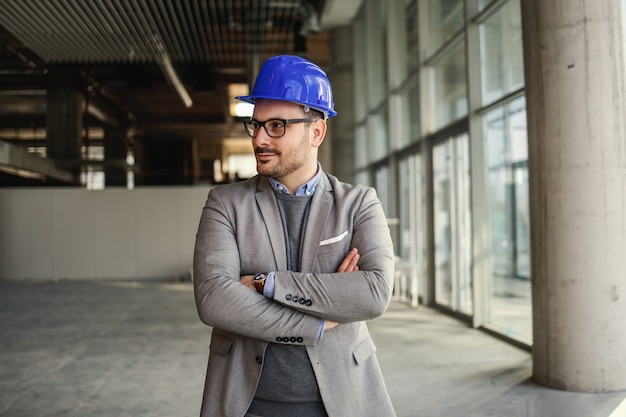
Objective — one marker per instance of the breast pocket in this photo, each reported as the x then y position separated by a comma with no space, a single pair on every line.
331,252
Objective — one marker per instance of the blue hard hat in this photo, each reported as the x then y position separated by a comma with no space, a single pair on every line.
293,78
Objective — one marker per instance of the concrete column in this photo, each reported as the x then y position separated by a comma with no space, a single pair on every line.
64,119
575,73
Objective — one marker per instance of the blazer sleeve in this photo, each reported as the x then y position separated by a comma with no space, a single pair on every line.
348,296
221,300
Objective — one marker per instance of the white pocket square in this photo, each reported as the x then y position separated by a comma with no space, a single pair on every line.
334,239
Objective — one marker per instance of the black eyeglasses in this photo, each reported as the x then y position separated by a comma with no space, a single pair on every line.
274,128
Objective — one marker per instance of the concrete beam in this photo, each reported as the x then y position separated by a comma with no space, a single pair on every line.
16,160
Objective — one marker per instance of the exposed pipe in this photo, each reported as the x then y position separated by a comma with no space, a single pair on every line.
165,63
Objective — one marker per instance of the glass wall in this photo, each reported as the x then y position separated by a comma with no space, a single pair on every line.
445,19
450,87
424,173
376,50
452,221
378,143
506,167
411,35
507,172
503,69
411,235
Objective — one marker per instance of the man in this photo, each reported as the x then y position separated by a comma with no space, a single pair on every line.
288,266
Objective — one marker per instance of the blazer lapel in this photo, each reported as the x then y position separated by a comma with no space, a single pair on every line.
321,205
273,224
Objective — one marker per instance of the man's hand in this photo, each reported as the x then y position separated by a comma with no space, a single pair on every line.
349,263
247,281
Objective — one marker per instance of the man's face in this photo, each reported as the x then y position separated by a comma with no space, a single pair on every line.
291,155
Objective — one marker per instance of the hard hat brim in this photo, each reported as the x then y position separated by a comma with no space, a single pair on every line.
252,99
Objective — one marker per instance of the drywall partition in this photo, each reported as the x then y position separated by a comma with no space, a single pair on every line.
66,233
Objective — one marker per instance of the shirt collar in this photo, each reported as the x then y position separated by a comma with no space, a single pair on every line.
305,189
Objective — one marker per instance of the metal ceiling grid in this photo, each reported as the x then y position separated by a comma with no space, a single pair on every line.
222,33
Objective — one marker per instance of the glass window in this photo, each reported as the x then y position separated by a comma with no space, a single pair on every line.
92,179
360,148
410,188
450,87
362,177
410,233
506,150
411,111
376,38
482,4
378,143
452,217
411,33
445,18
501,39
381,183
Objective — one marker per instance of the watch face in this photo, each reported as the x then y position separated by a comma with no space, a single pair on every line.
259,282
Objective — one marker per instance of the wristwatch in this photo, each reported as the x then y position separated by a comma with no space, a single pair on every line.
259,281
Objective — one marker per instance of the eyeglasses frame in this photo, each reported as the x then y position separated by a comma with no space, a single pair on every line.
262,124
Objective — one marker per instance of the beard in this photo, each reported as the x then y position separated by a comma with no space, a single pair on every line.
285,162
281,164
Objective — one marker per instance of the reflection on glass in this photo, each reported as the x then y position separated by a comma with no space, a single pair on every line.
451,206
507,164
450,88
445,19
501,45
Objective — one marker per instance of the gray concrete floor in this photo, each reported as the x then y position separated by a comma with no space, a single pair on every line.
108,348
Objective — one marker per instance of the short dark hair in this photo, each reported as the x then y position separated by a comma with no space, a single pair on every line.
315,113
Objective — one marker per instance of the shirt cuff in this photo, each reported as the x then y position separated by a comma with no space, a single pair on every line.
268,289
320,333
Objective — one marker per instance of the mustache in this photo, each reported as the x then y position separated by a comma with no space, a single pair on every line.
259,149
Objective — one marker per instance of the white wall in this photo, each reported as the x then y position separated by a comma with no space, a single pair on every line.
66,233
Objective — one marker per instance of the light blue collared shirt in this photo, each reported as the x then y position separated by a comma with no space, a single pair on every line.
305,189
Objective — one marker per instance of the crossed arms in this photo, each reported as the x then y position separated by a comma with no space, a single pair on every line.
228,251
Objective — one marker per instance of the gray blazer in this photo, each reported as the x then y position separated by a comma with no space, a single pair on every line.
241,233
